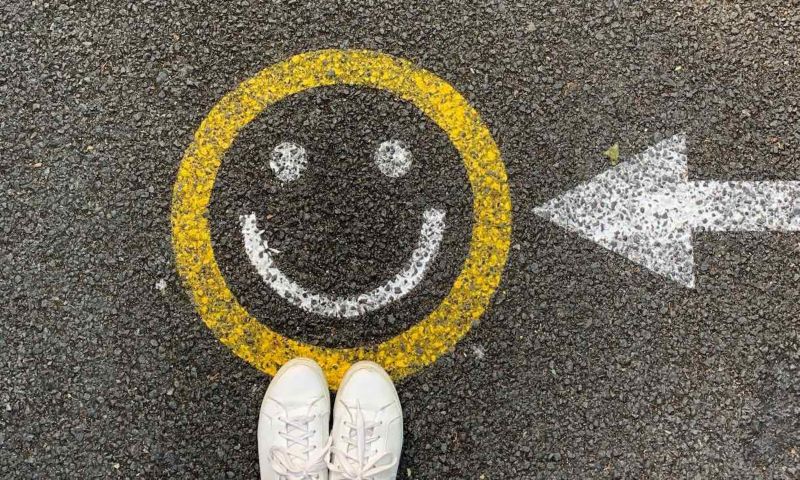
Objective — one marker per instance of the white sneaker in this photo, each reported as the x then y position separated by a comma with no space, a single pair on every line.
293,439
367,431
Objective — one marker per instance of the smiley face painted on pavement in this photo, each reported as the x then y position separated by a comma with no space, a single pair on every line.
350,166
330,219
393,158
343,217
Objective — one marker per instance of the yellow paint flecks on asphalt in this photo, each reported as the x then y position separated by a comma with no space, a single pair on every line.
421,344
613,153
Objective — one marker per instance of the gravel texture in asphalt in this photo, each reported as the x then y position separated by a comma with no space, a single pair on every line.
585,365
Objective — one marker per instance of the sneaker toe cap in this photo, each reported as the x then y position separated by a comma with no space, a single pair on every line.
371,387
296,383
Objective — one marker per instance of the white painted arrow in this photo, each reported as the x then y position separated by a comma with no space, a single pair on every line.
646,209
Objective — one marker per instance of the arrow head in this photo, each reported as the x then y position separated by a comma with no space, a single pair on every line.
634,209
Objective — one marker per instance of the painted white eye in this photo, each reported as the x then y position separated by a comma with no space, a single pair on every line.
393,158
288,161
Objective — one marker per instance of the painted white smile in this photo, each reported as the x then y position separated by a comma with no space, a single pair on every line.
288,163
262,257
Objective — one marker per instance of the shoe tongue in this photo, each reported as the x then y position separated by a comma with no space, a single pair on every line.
298,410
298,406
369,411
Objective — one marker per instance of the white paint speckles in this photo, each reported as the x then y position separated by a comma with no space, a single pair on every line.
262,258
288,161
479,352
646,209
393,158
161,285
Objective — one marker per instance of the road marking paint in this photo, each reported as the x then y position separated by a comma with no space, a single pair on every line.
393,158
469,296
288,161
261,257
646,209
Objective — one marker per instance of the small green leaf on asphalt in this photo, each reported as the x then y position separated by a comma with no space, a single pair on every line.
613,153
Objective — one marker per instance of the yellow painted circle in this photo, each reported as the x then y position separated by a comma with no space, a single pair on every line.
421,344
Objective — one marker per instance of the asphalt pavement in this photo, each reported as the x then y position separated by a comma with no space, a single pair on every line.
584,364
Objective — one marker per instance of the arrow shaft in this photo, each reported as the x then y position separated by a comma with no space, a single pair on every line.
742,206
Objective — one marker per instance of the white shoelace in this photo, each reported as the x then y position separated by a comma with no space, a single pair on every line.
352,461
300,461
